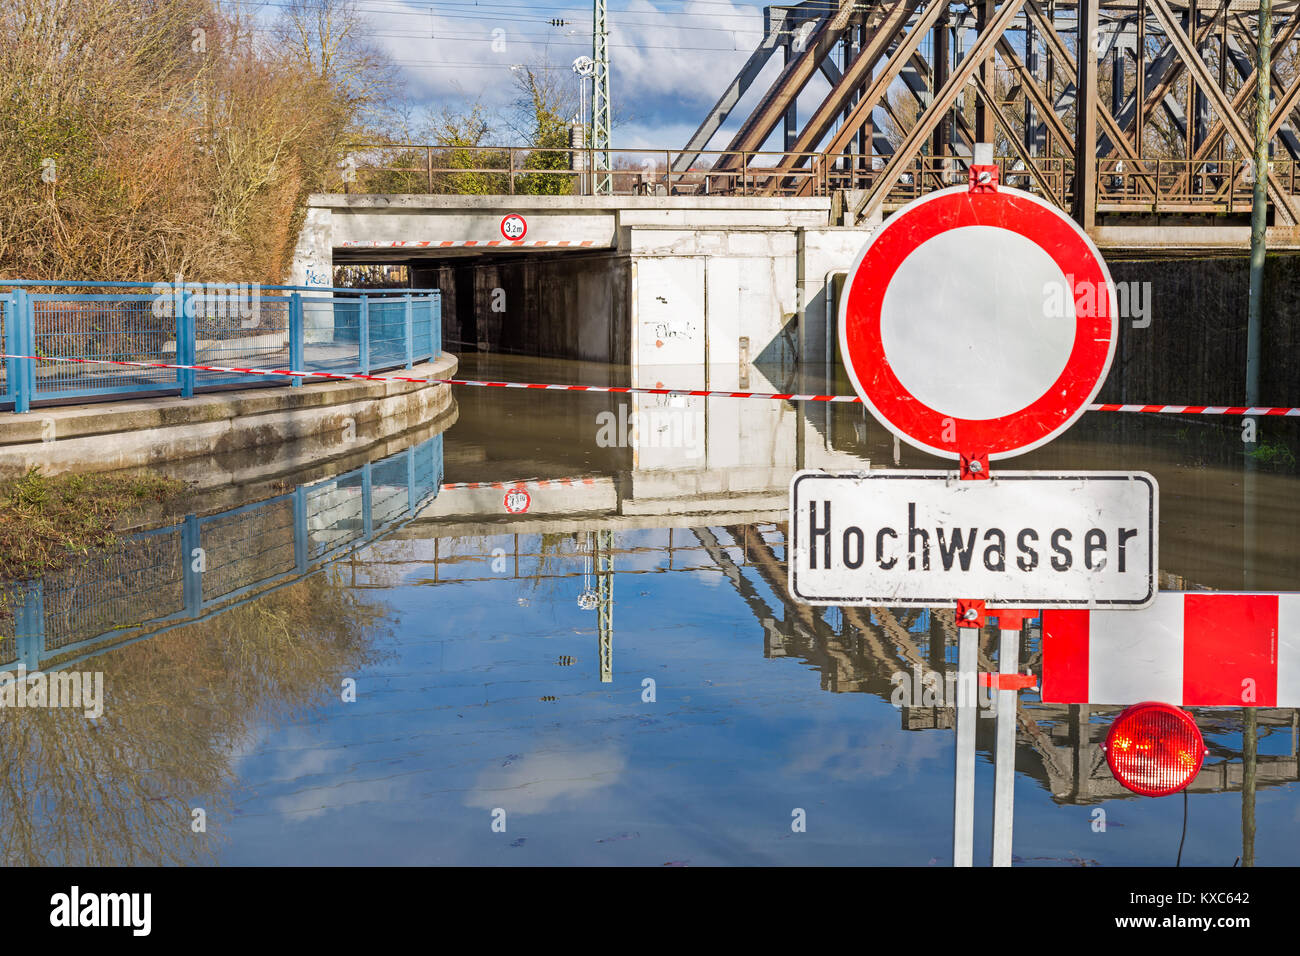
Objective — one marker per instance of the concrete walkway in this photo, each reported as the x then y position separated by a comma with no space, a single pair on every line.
209,438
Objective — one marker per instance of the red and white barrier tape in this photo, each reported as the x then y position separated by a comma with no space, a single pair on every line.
526,483
1235,410
1199,409
450,243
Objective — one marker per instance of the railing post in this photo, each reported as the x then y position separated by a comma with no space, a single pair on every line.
192,563
11,346
29,626
20,329
410,332
363,334
428,163
510,160
435,324
367,517
300,538
295,337
186,346
410,480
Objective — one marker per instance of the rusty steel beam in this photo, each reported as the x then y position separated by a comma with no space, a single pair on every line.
1285,105
1032,90
858,73
1116,135
1286,102
729,98
991,103
899,59
1085,104
1164,77
1237,129
785,90
944,99
922,68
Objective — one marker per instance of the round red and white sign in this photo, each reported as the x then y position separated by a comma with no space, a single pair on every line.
517,501
978,323
513,227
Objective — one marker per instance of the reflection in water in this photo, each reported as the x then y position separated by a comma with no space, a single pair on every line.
122,789
482,645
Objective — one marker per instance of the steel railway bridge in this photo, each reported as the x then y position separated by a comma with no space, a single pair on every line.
1148,136
1154,121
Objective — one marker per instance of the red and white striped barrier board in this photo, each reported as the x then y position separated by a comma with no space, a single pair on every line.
631,390
1190,648
459,243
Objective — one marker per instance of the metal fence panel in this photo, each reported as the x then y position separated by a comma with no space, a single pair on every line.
233,328
104,328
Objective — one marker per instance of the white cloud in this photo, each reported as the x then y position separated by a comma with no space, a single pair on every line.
533,783
669,61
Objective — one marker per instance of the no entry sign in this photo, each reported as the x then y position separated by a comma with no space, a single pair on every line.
1021,539
978,322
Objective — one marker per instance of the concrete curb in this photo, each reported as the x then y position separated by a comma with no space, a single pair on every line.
236,426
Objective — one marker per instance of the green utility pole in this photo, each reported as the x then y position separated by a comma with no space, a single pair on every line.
1259,208
600,111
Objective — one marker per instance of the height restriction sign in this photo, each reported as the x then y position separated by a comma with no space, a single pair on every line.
978,322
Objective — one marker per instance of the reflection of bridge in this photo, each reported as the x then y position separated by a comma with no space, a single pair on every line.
205,565
856,650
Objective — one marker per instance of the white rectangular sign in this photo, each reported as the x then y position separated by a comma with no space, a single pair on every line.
1036,539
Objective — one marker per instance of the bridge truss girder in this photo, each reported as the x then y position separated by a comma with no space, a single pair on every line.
1155,120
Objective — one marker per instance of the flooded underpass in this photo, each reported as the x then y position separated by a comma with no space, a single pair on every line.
378,663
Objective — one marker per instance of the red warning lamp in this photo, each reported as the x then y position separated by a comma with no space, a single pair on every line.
1155,749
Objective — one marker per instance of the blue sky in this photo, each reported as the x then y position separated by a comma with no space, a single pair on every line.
669,60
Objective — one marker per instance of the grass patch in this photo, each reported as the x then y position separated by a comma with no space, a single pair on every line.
1273,453
47,520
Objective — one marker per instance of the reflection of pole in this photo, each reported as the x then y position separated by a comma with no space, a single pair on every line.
1259,205
963,811
605,602
1249,755
1004,779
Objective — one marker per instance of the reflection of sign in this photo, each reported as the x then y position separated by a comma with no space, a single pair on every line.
1188,648
513,227
945,328
1035,539
517,501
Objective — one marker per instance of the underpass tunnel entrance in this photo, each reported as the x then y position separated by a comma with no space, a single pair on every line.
555,305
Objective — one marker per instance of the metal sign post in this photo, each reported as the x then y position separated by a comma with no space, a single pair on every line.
1008,683
978,323
969,622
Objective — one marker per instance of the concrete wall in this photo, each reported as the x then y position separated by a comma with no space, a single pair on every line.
714,282
1193,352
313,257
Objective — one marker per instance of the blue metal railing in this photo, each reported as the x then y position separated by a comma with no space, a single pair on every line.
236,326
205,565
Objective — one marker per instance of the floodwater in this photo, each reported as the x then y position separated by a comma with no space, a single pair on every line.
381,665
